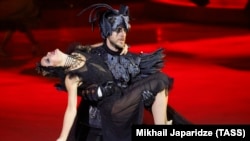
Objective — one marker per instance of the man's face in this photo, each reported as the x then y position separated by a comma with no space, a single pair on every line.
118,38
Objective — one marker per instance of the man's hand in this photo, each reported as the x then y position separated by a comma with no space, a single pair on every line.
96,93
148,98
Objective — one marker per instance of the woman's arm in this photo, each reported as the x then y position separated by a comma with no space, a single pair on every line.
123,52
71,109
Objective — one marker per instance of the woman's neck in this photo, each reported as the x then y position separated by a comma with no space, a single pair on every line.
64,56
74,61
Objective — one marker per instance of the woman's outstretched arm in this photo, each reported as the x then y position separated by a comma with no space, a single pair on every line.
71,109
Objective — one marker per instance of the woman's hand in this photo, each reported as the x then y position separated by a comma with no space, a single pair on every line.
124,50
60,139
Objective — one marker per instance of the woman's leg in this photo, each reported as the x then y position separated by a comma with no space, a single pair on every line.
159,108
158,85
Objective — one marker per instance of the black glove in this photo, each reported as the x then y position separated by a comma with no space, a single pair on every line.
107,89
148,98
90,93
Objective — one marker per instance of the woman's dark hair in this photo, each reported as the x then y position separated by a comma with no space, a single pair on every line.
50,71
55,72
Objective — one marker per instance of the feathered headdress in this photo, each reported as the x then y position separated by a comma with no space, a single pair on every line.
108,17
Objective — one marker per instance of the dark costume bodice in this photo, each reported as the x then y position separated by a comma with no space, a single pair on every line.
131,67
123,67
94,71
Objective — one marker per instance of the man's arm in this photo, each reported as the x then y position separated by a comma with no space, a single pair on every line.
96,92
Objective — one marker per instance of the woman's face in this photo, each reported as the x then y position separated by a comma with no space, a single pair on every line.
53,58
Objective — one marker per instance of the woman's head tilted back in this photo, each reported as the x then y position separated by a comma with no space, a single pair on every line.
52,64
54,58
